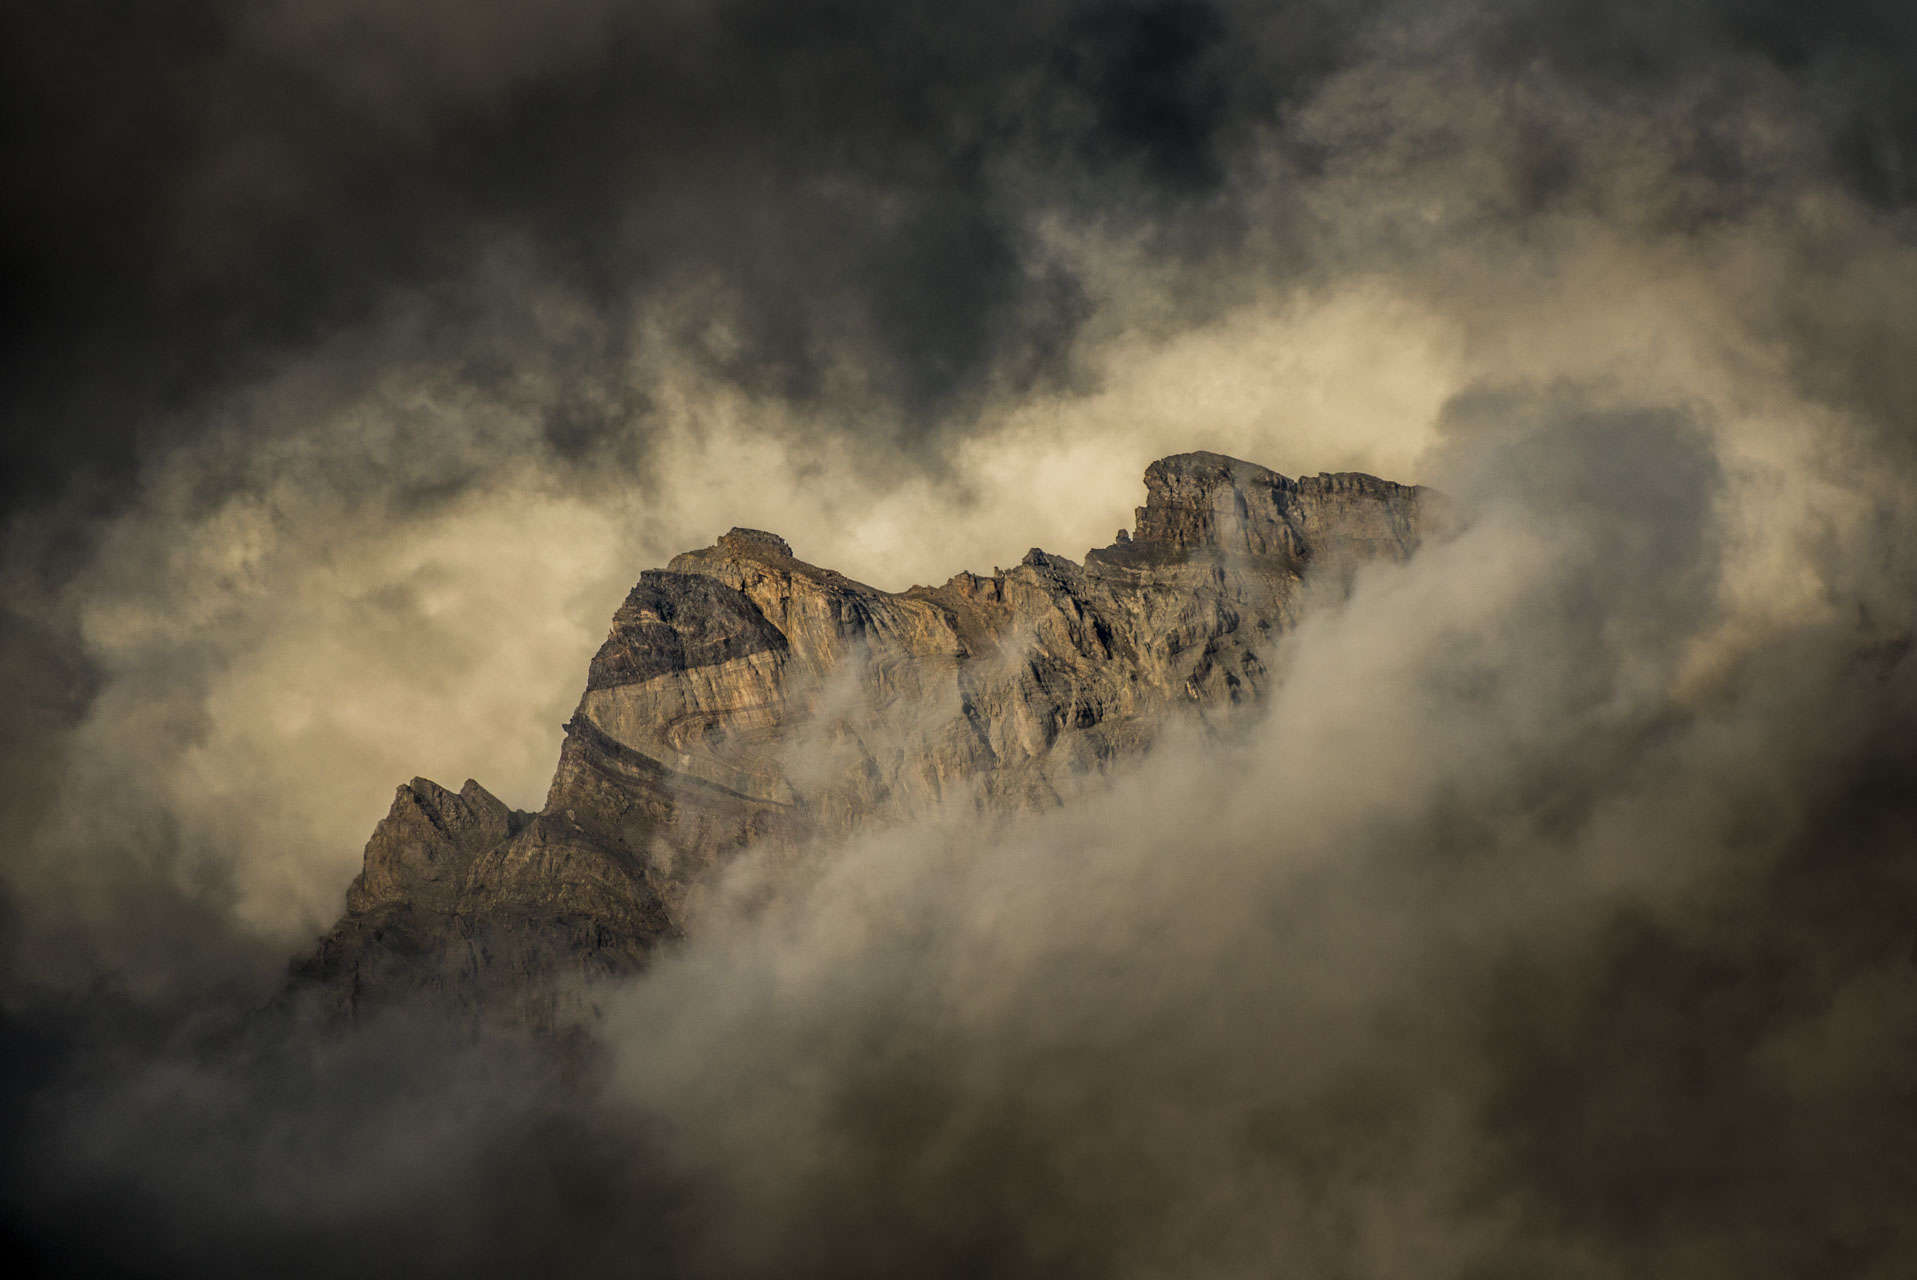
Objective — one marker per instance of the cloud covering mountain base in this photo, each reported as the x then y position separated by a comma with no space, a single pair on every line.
1556,916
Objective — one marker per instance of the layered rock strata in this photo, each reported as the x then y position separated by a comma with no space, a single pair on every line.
747,698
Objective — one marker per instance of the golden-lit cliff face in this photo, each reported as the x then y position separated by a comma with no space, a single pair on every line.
746,698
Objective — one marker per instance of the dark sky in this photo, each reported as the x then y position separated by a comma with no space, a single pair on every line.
200,192
1560,919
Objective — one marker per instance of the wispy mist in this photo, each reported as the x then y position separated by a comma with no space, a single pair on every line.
1557,916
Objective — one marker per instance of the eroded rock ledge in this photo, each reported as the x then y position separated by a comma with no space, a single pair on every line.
747,698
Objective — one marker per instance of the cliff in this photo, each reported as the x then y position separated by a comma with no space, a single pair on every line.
745,697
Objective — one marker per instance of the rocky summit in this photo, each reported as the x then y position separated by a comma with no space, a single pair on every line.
746,698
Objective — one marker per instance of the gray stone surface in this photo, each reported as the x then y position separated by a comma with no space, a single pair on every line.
744,697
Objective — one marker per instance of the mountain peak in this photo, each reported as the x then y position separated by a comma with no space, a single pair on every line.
1209,500
746,699
741,541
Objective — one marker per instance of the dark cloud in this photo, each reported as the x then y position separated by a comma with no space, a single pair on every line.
201,194
1559,920
411,1147
206,193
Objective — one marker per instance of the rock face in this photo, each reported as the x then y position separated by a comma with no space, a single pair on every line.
746,697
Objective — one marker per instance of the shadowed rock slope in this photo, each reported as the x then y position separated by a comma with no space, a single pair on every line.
746,697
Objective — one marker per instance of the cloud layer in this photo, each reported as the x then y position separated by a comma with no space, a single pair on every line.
1557,918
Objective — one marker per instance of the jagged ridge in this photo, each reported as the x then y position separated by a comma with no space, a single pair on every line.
746,697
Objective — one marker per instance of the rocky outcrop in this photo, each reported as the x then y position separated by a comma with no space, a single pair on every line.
745,697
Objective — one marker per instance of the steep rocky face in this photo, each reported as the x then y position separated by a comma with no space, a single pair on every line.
747,698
